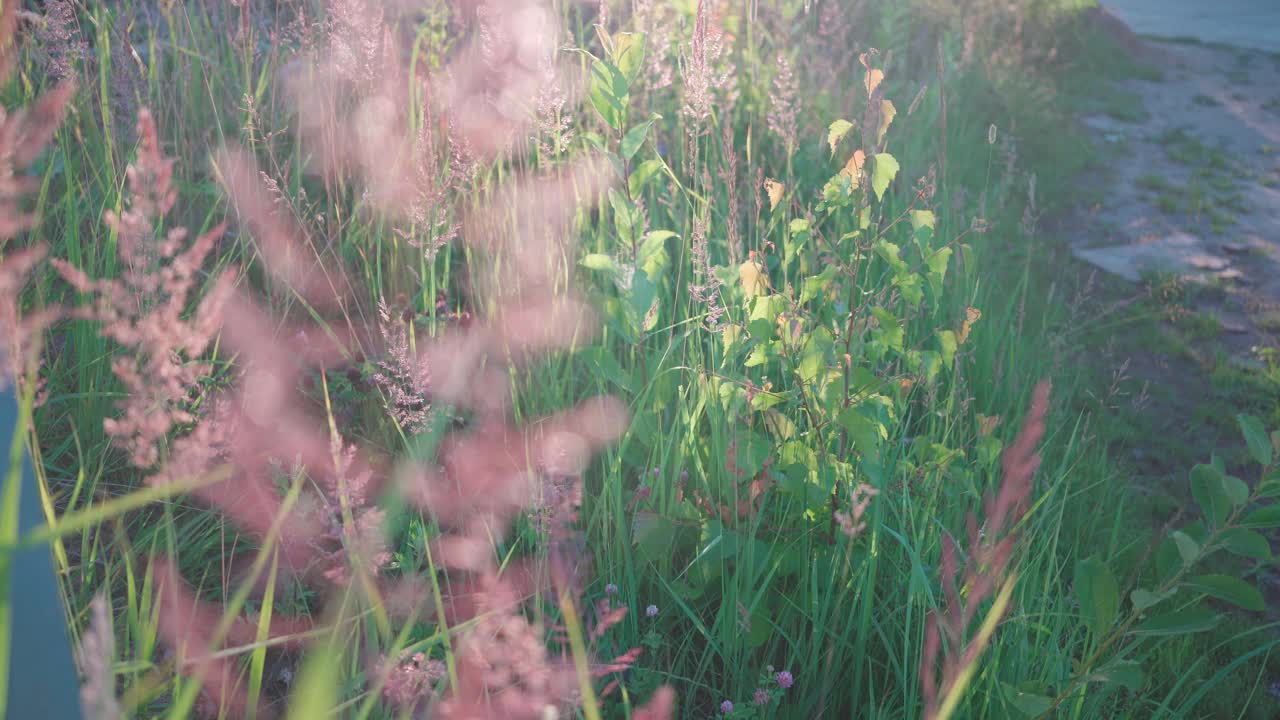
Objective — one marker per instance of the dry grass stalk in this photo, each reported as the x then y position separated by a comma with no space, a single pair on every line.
988,569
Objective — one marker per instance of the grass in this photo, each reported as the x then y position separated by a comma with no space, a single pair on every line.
918,415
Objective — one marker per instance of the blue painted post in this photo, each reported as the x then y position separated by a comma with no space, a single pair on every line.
43,683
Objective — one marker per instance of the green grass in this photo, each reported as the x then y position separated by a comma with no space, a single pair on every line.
845,616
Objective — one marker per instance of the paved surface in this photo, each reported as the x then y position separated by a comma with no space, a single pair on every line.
1193,185
1242,23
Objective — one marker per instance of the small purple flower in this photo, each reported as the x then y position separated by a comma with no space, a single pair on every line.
610,589
684,475
785,680
652,611
761,697
657,472
726,707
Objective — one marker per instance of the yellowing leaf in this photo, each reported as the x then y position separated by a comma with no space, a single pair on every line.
887,113
775,190
872,80
752,277
987,424
853,168
971,317
836,132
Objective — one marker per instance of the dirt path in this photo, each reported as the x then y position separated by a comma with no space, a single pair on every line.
1195,187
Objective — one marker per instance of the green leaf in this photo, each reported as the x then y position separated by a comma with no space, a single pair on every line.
883,173
1143,599
947,341
1235,489
1098,594
635,137
864,432
836,132
599,261
911,287
628,54
1208,488
1246,543
651,535
641,176
922,219
1027,704
609,92
1187,548
890,330
1229,589
605,366
1255,436
937,263
1180,622
814,285
1263,518
1127,673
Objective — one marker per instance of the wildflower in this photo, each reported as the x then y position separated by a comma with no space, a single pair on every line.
761,697
700,77
143,309
784,104
95,655
851,523
402,376
785,680
657,472
726,707
610,589
651,611
59,44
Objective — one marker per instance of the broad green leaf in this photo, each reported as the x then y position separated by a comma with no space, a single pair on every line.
1180,622
628,54
1187,548
1235,489
605,366
625,217
891,254
836,132
911,286
598,261
1246,543
609,92
947,341
1143,599
922,218
883,173
651,535
1127,673
1229,589
1098,594
938,263
1027,704
635,137
890,330
864,432
814,285
1207,487
641,176
1263,518
1255,436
